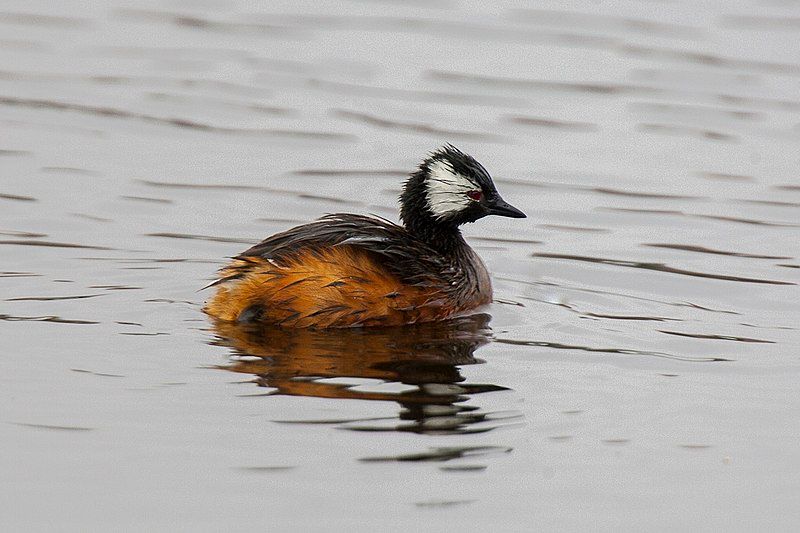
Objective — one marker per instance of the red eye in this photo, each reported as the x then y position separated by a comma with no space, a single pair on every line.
475,195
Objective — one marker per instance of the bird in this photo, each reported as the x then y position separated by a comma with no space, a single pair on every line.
348,270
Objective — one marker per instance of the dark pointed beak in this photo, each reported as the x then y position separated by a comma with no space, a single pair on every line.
501,208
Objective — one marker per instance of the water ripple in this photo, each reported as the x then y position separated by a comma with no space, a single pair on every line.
417,127
674,129
594,21
51,244
52,298
622,351
659,267
716,337
415,95
442,454
110,112
45,318
28,234
208,238
17,197
705,250
550,123
751,221
350,173
37,19
541,84
704,58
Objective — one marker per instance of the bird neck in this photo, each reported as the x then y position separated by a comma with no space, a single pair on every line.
442,237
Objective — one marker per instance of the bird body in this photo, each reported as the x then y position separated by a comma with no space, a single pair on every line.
347,270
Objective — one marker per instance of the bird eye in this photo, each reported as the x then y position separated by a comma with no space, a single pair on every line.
475,195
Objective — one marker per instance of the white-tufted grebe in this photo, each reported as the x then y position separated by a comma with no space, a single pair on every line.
348,270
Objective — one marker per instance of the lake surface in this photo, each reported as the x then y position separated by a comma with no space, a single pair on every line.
639,368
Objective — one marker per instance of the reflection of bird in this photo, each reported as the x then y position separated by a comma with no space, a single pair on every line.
351,270
295,363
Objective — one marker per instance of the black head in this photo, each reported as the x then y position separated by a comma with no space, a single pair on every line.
451,188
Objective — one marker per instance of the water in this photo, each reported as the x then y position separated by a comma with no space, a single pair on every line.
640,367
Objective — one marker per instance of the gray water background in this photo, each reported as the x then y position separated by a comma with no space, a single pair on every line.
643,364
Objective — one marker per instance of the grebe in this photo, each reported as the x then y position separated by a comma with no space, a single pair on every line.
347,270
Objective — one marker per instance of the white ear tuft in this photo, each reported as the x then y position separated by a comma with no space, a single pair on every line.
447,189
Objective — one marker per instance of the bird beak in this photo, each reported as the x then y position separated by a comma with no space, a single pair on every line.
501,208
